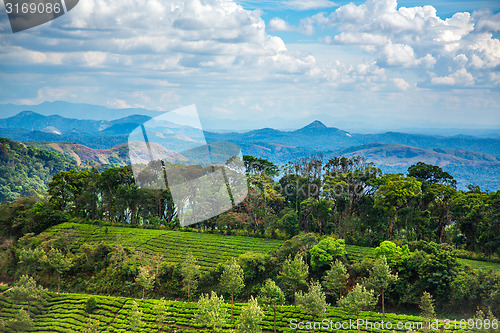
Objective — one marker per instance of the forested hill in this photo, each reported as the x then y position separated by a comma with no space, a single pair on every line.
25,170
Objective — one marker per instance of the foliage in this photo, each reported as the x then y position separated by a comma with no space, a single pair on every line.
357,300
381,278
190,271
393,253
314,301
212,311
91,305
427,306
250,317
294,274
135,317
145,279
27,290
326,251
232,280
336,278
272,296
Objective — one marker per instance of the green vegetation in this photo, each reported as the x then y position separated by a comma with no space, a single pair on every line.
27,170
66,313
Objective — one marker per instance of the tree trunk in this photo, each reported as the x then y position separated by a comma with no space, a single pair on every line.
383,305
143,290
295,297
314,326
58,283
357,322
232,303
274,320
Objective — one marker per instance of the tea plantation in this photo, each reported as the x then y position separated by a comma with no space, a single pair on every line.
66,313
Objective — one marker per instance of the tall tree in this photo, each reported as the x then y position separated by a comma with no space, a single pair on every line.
135,317
160,310
359,299
212,311
314,301
145,278
250,318
272,296
381,278
26,290
232,279
326,251
294,274
59,263
336,278
190,271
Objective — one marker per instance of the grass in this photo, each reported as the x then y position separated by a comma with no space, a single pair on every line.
65,313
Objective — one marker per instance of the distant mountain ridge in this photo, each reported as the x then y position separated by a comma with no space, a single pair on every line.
469,159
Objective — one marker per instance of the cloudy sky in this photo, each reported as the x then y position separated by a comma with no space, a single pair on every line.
413,61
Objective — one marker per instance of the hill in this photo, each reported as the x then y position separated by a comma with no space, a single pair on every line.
25,170
66,313
173,246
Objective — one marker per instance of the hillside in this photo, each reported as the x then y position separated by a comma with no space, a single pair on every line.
25,170
118,154
173,246
66,313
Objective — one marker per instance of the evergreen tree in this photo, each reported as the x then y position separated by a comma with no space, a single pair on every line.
212,311
294,275
381,278
336,278
359,299
160,311
135,317
250,318
190,271
314,301
272,296
145,279
232,280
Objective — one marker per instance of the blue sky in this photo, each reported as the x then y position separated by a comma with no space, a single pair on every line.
412,62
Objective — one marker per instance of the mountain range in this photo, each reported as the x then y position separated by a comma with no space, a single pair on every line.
469,159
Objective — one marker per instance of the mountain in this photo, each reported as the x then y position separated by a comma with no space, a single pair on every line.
75,110
118,154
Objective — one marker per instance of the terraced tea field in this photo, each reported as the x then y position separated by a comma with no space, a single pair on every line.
209,249
65,313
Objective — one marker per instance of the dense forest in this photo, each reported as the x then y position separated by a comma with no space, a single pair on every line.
410,232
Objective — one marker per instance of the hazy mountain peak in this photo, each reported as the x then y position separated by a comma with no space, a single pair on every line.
315,124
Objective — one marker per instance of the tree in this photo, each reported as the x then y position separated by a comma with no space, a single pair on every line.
135,317
250,318
145,279
91,305
294,274
427,306
59,263
381,278
326,251
272,296
31,260
92,326
190,271
212,311
22,322
394,193
26,290
394,254
336,278
359,299
160,311
232,279
314,301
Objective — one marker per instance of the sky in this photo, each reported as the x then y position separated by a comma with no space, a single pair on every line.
414,62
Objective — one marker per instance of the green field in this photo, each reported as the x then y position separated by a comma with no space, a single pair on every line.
209,249
66,313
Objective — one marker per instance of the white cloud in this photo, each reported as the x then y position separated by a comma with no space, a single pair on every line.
459,78
416,38
309,4
400,84
278,24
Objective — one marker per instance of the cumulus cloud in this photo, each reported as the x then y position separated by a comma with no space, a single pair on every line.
278,24
309,4
459,78
416,38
